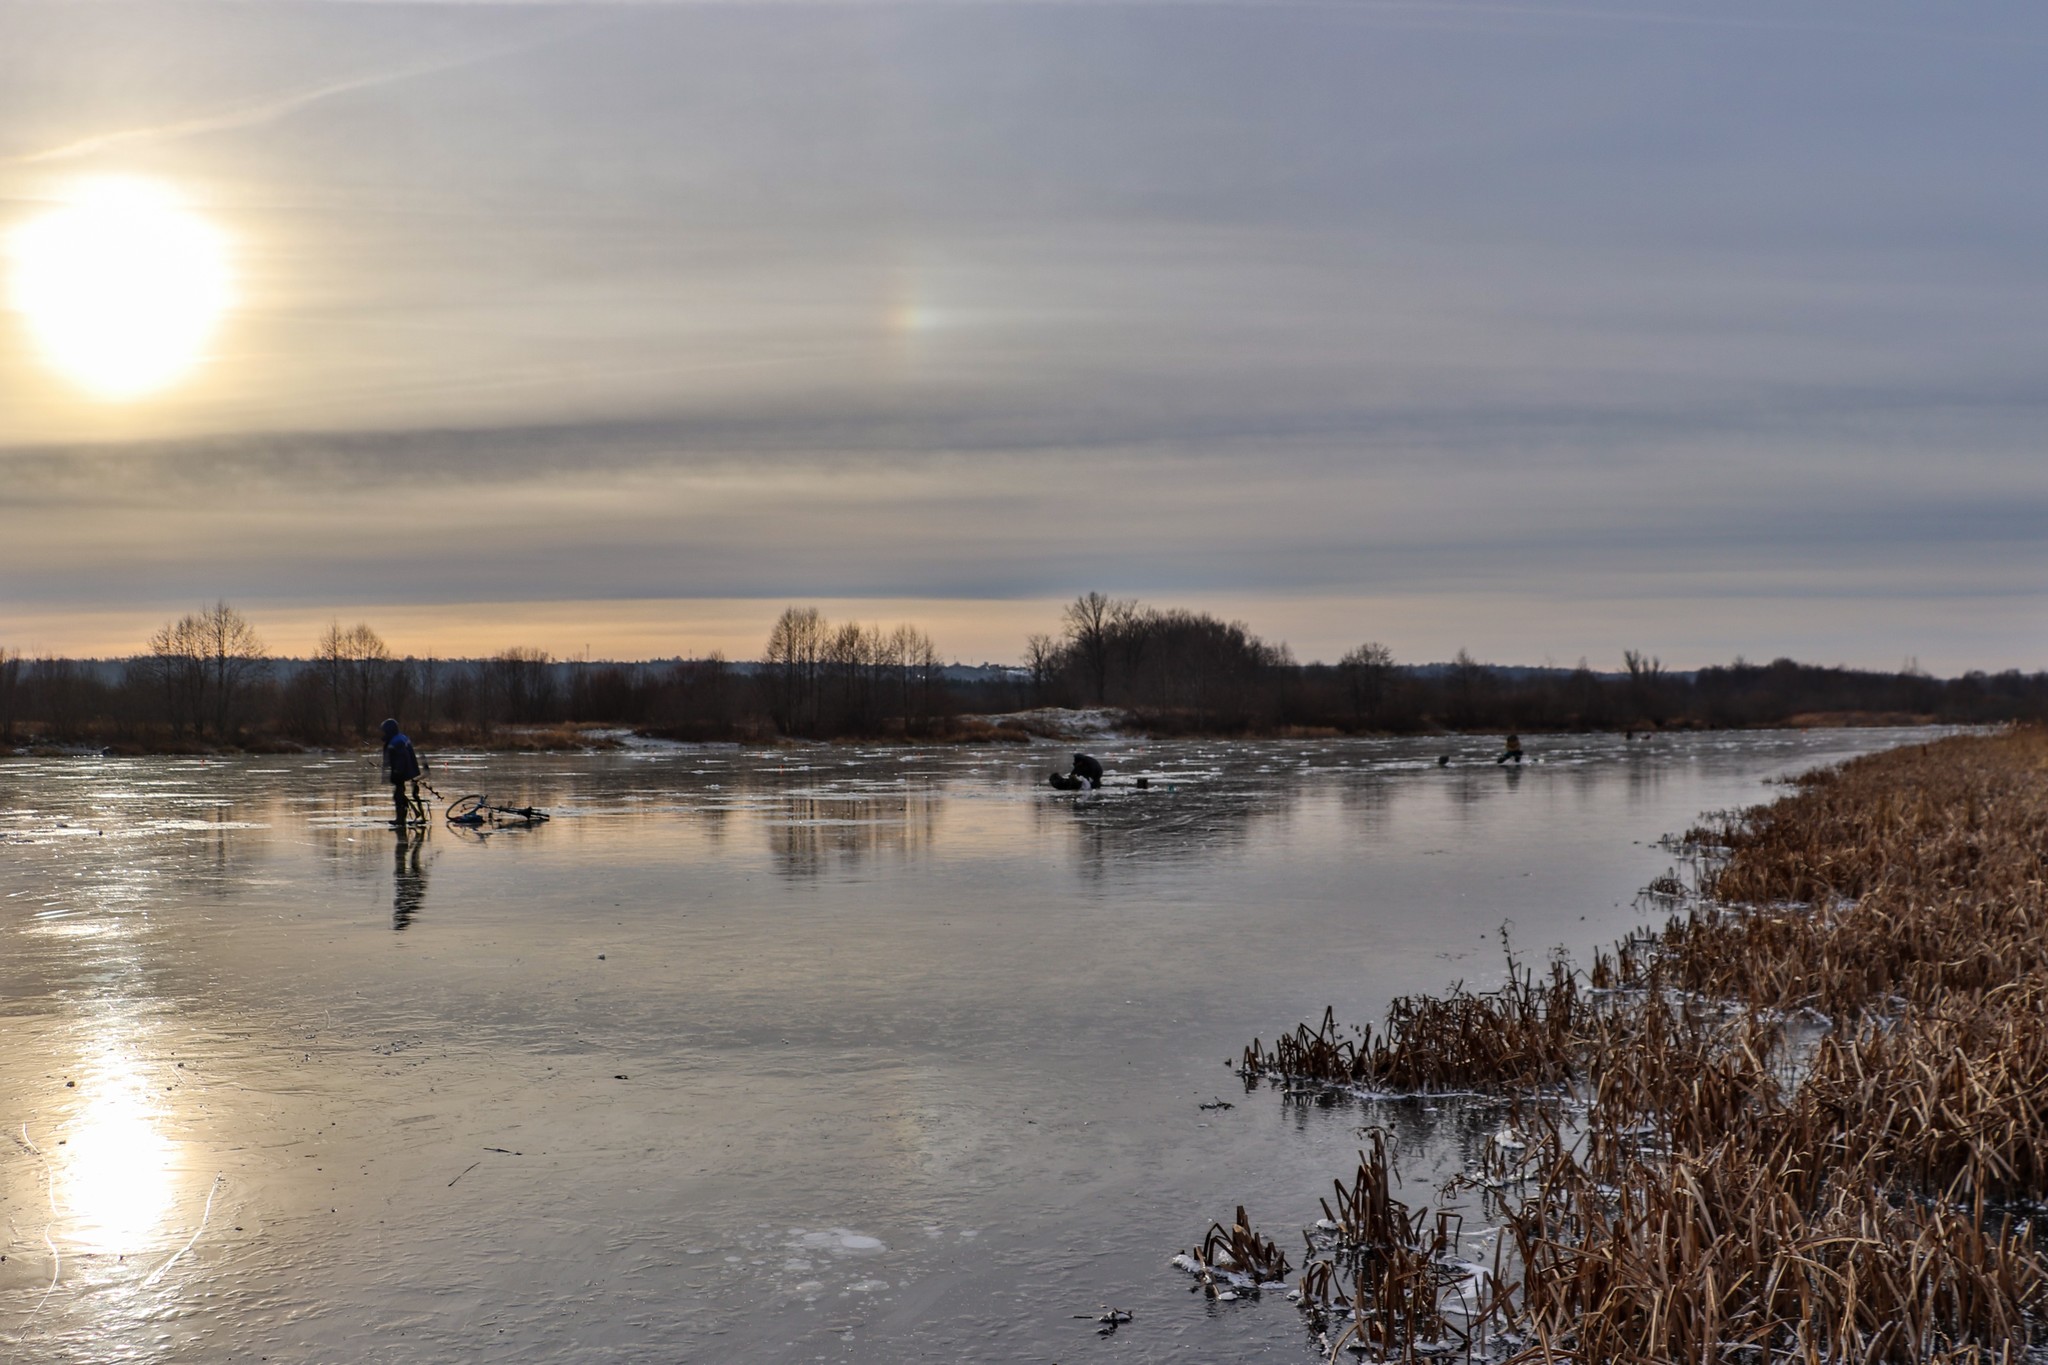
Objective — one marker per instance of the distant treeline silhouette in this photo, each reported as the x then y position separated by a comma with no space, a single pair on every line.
1178,671
207,680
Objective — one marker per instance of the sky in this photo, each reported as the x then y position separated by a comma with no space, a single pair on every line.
1543,331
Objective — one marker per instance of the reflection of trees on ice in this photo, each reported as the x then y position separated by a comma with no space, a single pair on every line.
811,835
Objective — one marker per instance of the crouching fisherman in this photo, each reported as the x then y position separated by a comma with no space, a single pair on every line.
401,766
1087,769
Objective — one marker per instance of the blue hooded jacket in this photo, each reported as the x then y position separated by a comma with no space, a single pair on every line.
400,761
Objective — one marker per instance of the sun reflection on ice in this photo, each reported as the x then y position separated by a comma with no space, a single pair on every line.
112,1182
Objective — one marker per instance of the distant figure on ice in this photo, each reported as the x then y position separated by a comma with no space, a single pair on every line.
1087,772
1512,751
400,766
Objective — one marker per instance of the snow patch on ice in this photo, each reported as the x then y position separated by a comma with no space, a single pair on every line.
837,1242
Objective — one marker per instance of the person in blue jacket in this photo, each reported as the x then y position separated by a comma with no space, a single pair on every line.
400,766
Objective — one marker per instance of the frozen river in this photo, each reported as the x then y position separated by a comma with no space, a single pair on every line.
833,1054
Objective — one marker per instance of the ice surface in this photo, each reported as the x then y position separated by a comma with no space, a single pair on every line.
864,1054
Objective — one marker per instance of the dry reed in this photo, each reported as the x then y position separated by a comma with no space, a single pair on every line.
1234,1259
1803,1121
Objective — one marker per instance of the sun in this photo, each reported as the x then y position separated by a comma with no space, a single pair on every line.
121,286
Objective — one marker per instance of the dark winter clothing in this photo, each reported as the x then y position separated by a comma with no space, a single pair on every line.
401,765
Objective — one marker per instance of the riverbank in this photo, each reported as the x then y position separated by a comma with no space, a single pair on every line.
1804,1119
1040,724
504,739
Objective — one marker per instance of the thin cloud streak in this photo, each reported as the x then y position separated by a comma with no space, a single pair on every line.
1428,10
271,108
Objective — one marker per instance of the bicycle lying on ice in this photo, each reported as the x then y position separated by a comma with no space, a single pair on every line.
474,811
477,810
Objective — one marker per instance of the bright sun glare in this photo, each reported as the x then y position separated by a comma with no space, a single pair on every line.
113,1179
121,285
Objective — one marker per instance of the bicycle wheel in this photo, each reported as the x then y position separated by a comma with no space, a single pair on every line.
466,810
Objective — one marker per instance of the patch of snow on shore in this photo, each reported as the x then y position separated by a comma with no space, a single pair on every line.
1063,724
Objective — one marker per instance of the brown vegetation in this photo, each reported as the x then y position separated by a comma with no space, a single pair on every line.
1804,1121
1239,1249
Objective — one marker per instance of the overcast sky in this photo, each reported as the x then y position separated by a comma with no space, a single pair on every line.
1541,330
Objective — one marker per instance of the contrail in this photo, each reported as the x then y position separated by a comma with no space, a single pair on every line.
265,110
270,108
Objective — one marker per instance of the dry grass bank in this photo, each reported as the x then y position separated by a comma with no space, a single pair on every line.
1805,1120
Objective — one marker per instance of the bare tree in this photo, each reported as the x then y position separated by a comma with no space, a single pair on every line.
1211,672
459,693
10,692
63,696
1092,622
1367,672
795,647
521,684
202,666
427,672
916,663
1134,632
235,660
819,678
360,675
1646,691
1586,698
1042,657
172,674
697,698
851,655
1466,686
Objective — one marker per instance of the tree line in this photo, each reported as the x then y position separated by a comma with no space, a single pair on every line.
1176,671
207,679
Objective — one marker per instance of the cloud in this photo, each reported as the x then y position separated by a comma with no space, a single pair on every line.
649,509
269,108
1517,338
